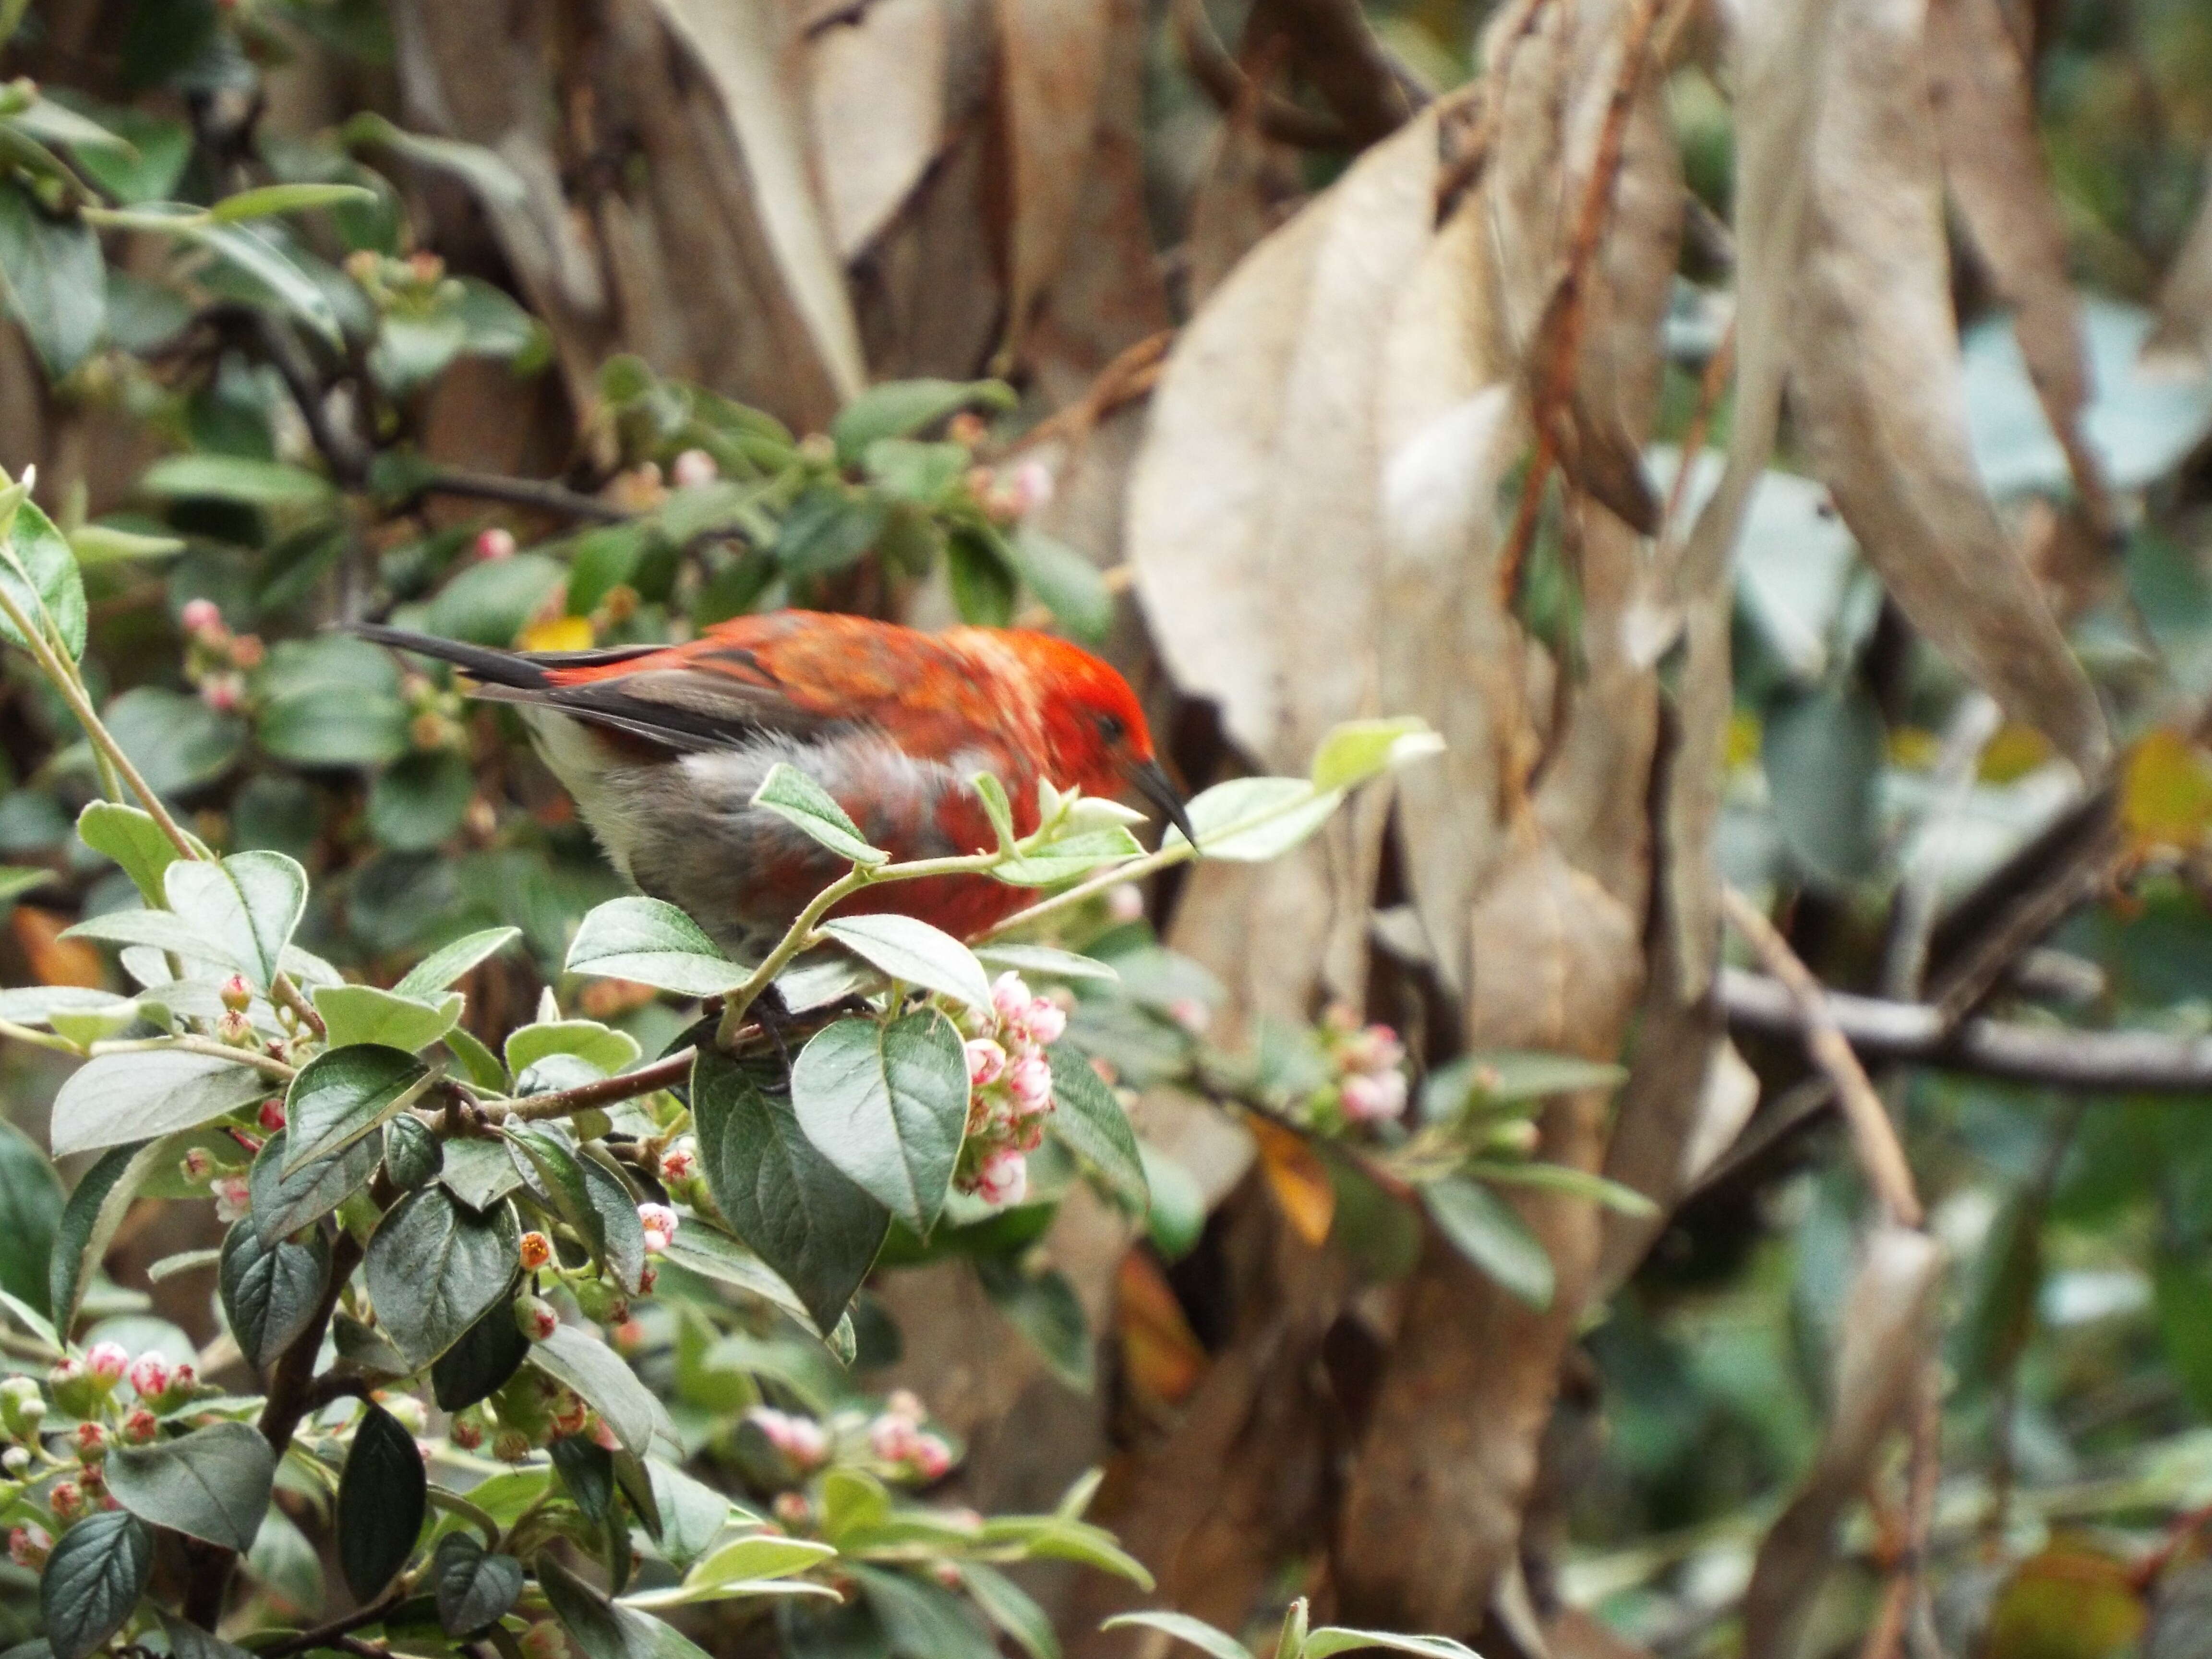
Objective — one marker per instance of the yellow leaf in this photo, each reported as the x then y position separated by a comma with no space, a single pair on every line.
2166,793
558,633
1161,1354
55,960
2014,752
2069,1602
1298,1180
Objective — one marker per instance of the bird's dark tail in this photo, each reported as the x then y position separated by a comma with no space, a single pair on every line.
481,662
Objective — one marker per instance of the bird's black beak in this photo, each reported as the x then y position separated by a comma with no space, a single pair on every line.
1148,780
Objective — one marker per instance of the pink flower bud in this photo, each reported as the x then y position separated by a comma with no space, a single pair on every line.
150,1375
66,1373
1003,1177
107,1362
805,1442
237,994
467,1432
184,1379
905,1403
90,1440
232,1197
1191,1014
202,617
66,1500
1029,1080
694,467
141,1426
496,543
197,1165
235,1030
535,1318
933,1458
792,1509
1125,903
1009,998
892,1437
947,1575
28,1545
1043,1021
659,1222
222,693
679,1164
1374,1048
544,1640
1373,1096
1032,485
987,1061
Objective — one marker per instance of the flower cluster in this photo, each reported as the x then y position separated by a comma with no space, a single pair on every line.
909,1450
1010,1089
217,660
803,1443
525,1414
1367,1066
895,1445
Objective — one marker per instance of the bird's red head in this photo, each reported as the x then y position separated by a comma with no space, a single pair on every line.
1092,724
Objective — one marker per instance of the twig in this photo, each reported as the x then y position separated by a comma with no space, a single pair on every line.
1222,78
1355,74
522,492
1920,895
324,1635
1875,1136
624,1085
2060,1057
1720,368
1562,327
1133,373
267,1064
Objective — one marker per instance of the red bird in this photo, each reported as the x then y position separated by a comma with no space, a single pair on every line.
663,747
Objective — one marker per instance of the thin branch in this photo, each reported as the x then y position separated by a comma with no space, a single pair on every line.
2057,1056
625,1085
269,1065
1872,1132
1223,79
523,492
323,1636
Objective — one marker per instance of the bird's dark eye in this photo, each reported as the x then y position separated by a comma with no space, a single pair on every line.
1111,729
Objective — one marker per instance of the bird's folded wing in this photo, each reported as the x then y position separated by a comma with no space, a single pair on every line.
683,708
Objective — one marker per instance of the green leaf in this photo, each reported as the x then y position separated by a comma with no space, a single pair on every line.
692,1514
433,1269
799,801
251,253
245,906
212,1484
1045,960
160,930
268,485
1070,858
1009,1607
130,835
40,570
887,1103
1072,587
1562,1178
1824,753
177,743
1335,1638
419,803
702,1248
363,1014
270,1294
741,1567
604,1629
910,950
655,943
342,1094
449,962
1511,1077
598,1046
283,1204
1043,1307
51,122
996,807
88,1221
488,1353
92,1581
315,727
30,1203
413,1154
1183,1628
479,1172
148,171
1252,820
1090,1123
382,1497
1357,750
39,1004
191,1642
1484,1230
269,199
811,1224
484,171
922,1621
899,409
608,1385
56,285
588,1198
474,1588
489,603
125,1097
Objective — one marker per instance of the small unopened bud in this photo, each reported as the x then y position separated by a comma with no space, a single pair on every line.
107,1362
90,1440
150,1375
947,1575
1125,903
466,1430
536,1250
66,1500
141,1426
1029,1080
272,1115
792,1509
496,543
679,1164
544,1640
1043,1022
1010,997
967,428
202,617
235,1030
986,1062
1003,1177
1191,1014
237,994
247,651
28,1545
693,468
535,1318
197,1165
15,1460
1373,1096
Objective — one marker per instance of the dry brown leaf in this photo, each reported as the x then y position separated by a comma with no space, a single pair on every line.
1888,1332
1297,1181
1246,184
1052,68
2184,303
876,90
1164,1357
55,960
1984,112
1877,380
755,61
